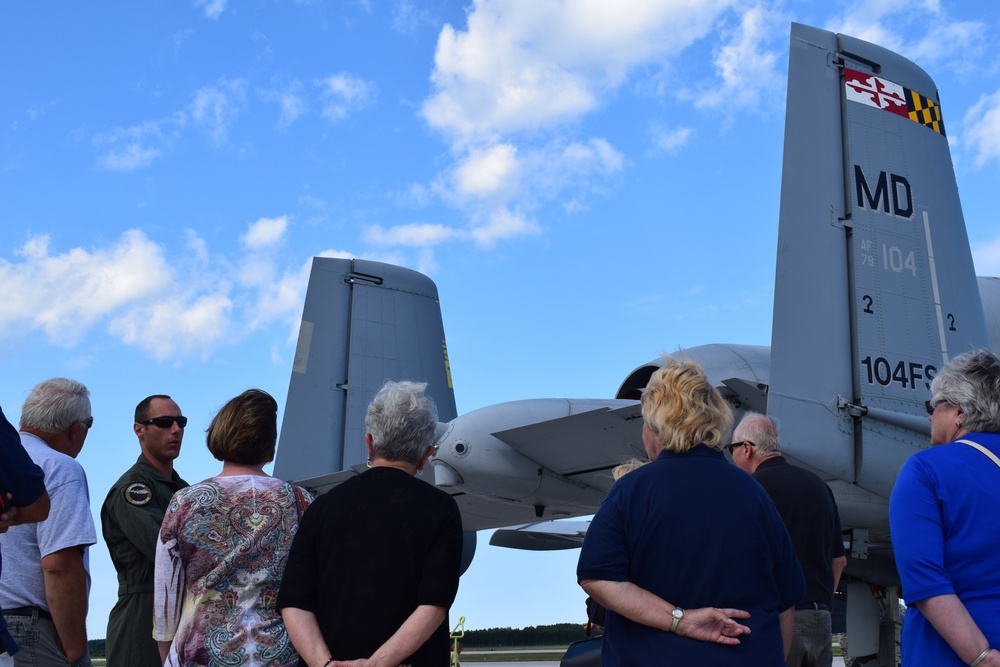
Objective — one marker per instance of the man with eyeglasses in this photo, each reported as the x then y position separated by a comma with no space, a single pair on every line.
131,518
46,580
808,508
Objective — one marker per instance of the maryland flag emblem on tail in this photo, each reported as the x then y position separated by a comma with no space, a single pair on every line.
883,94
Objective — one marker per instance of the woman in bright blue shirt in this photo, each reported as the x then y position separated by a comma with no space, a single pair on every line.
945,520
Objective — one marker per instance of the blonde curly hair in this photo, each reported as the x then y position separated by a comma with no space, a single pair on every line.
682,408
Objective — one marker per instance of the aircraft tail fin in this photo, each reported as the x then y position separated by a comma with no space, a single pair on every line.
363,323
874,285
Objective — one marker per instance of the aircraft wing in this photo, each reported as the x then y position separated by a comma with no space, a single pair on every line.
585,445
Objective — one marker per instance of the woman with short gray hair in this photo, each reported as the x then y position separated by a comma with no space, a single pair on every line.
375,564
946,525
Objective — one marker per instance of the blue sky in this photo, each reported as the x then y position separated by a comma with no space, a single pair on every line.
588,183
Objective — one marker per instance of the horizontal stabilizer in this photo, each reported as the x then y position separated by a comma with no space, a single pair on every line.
544,536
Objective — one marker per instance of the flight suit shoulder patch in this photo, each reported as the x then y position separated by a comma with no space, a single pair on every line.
138,494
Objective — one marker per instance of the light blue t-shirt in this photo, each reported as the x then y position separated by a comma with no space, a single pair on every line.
70,524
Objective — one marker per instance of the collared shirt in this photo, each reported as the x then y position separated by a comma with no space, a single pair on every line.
807,506
696,531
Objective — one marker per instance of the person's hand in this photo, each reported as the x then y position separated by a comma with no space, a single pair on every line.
709,624
7,518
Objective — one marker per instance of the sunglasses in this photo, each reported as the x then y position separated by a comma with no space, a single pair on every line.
165,422
88,422
738,444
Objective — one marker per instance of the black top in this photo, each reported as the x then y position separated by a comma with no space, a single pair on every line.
807,507
367,554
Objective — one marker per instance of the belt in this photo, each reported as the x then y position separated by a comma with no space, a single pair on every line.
815,606
27,611
129,589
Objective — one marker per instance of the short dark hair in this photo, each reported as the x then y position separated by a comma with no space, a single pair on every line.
245,430
142,410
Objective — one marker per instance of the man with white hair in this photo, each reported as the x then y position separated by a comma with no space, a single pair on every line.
807,507
46,582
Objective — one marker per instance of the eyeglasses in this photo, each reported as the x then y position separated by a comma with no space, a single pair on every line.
165,422
932,404
88,422
739,444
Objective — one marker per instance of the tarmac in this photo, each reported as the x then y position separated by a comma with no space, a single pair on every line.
837,662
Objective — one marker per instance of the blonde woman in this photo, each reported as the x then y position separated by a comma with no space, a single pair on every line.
687,552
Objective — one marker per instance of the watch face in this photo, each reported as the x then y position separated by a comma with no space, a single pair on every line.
678,612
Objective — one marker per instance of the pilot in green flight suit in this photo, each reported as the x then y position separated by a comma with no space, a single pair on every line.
130,519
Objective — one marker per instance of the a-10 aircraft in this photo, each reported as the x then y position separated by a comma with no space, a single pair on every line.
875,290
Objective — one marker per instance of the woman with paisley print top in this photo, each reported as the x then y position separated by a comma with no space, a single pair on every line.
222,550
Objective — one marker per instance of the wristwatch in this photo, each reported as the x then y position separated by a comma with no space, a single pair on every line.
678,614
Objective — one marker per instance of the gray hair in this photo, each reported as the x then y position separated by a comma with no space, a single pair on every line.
402,421
54,405
972,382
761,430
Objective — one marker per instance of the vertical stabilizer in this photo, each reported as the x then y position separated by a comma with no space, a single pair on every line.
875,287
363,323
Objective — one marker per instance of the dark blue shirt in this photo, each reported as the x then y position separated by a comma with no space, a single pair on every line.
698,532
24,480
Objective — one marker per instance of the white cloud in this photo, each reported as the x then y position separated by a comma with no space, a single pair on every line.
214,108
956,44
344,93
130,148
177,326
498,175
523,66
213,8
290,100
169,307
485,172
196,246
282,299
408,17
414,234
746,68
264,232
500,225
510,90
982,129
63,295
670,140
